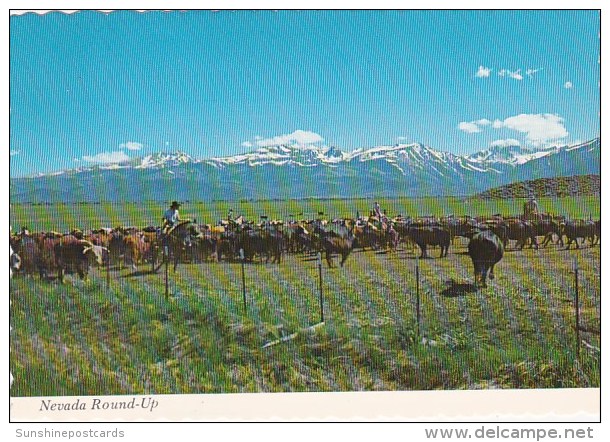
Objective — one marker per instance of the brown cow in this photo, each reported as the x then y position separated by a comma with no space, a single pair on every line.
47,261
368,236
343,245
433,236
37,252
75,255
136,249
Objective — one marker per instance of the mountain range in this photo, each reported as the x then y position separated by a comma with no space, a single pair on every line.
296,172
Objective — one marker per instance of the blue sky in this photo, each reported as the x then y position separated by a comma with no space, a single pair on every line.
90,88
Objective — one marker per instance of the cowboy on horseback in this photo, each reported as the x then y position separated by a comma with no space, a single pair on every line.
171,217
377,210
531,211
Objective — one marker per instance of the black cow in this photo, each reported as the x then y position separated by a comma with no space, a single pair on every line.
486,249
499,228
578,229
204,246
547,228
298,239
520,231
267,243
598,232
458,226
433,236
227,245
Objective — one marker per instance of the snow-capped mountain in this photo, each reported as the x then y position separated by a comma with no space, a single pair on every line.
315,156
288,171
511,154
161,159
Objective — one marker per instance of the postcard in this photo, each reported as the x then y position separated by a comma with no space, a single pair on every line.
305,215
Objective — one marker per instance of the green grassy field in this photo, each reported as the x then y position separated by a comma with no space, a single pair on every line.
63,217
85,338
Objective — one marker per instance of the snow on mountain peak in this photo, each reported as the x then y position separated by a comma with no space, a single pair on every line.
404,157
508,154
162,159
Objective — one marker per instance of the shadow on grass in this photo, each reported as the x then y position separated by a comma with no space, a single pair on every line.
141,273
455,289
396,257
426,258
589,329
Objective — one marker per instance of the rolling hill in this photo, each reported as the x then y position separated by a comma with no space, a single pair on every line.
579,185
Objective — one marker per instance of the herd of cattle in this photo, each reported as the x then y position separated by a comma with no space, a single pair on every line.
53,253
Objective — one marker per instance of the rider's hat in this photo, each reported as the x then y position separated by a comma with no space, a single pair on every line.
175,204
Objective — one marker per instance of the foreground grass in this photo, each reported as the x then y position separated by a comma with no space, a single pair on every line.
84,338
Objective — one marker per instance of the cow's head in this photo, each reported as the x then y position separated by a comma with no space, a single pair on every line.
14,261
95,253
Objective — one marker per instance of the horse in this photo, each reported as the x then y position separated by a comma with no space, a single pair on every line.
173,245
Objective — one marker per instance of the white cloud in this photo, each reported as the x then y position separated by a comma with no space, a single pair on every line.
298,137
14,152
469,127
530,72
107,157
515,75
483,72
497,124
131,145
246,144
568,85
505,143
473,127
539,128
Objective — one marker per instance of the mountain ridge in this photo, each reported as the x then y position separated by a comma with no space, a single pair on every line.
285,171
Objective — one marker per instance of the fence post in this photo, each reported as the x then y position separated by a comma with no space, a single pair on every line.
417,304
321,291
576,308
108,271
243,277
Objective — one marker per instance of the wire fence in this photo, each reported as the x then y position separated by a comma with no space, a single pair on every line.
435,298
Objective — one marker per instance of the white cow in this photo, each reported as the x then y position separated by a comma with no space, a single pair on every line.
14,261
